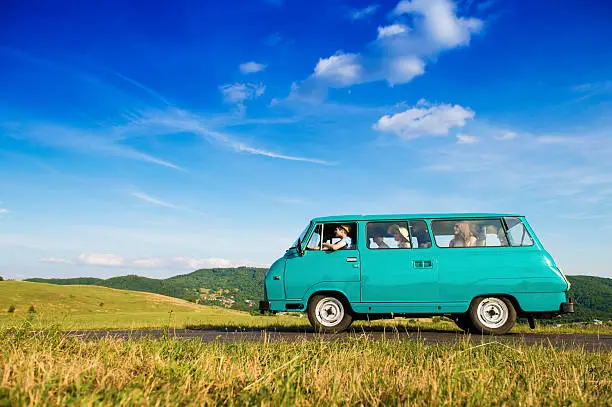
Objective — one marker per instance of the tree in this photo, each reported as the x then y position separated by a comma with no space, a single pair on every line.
1,278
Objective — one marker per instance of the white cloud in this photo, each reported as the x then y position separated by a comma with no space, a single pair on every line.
100,259
237,93
55,260
404,69
425,120
339,69
177,263
391,30
362,13
419,32
440,22
154,201
509,135
466,139
3,210
252,67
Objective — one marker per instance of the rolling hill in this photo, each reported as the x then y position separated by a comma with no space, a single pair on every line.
241,288
94,307
50,298
238,288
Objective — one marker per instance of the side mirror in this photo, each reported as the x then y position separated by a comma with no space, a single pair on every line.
298,246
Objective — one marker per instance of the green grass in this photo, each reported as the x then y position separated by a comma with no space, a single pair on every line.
49,368
40,365
72,307
93,307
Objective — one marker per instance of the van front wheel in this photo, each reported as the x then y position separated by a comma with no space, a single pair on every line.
492,315
329,314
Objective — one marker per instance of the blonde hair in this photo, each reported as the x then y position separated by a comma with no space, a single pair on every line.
465,232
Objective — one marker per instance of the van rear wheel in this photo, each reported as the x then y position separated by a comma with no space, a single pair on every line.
328,313
492,315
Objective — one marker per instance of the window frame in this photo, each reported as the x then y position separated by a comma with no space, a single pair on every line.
502,224
407,222
507,230
353,223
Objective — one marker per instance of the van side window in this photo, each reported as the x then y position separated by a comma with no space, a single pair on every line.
469,233
388,235
331,233
419,234
517,233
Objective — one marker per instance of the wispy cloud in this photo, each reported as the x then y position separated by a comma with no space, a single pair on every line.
111,136
55,260
590,90
238,93
3,211
93,140
558,139
252,67
363,13
180,120
507,135
168,263
154,201
466,139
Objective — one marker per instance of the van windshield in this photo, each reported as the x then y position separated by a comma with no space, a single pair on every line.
301,238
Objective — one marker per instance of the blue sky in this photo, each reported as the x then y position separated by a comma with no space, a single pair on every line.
196,134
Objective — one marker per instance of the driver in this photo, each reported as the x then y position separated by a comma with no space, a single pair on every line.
345,242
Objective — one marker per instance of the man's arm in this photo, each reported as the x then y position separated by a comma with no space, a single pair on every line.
334,246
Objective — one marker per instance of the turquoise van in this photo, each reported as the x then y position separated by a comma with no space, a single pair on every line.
482,270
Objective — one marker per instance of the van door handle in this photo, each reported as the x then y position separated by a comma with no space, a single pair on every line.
351,259
422,264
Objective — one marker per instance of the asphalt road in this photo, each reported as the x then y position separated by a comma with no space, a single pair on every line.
589,342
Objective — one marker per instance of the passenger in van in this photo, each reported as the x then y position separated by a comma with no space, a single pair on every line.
345,242
401,236
463,236
377,237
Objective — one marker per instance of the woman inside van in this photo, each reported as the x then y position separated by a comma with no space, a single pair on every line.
463,236
401,236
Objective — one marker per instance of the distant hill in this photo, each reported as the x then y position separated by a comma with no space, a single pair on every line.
593,297
238,288
241,288
51,299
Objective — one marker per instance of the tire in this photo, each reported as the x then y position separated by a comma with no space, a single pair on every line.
329,313
491,315
463,322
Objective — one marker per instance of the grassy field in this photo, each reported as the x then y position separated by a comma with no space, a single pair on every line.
75,307
41,365
93,307
49,368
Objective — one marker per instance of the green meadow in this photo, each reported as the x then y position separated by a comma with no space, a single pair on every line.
75,307
42,365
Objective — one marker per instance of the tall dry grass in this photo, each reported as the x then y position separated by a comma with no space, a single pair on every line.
49,368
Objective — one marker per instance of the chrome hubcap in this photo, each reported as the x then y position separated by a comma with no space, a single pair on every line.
492,312
329,311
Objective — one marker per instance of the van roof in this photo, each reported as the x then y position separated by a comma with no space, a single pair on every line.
343,218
